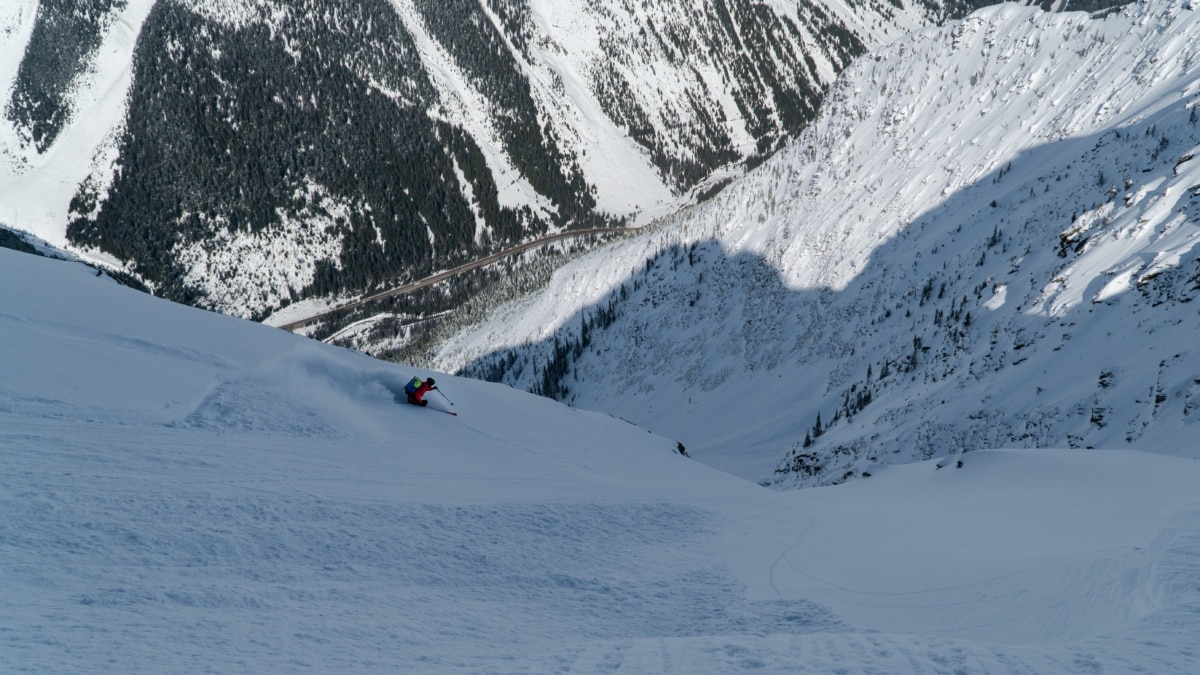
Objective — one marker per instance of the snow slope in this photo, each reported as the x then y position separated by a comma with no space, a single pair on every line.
987,239
186,492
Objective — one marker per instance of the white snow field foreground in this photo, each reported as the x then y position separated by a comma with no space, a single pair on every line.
185,492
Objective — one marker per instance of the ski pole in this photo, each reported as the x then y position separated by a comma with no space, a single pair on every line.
445,396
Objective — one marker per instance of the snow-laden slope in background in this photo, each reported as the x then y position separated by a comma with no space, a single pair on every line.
37,183
986,239
186,492
359,144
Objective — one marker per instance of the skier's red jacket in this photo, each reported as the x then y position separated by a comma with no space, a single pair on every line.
419,394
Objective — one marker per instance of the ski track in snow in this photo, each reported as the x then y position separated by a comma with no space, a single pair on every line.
183,555
221,565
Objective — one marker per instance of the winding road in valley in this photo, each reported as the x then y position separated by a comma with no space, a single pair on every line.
442,276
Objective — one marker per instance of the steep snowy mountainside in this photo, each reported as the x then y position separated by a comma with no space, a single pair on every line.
188,492
987,239
243,155
85,352
64,75
63,41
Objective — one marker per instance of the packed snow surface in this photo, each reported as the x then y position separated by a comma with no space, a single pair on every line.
186,492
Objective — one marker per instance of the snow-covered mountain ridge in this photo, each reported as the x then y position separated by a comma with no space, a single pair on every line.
241,155
987,239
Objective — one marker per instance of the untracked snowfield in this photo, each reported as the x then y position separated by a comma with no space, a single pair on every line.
184,492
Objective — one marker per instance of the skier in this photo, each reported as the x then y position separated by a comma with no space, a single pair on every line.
416,390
